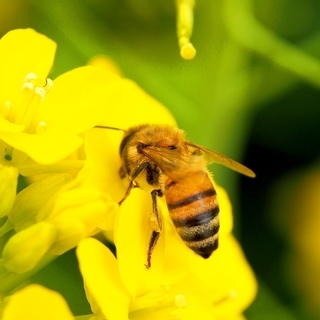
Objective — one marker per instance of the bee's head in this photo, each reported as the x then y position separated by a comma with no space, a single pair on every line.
155,136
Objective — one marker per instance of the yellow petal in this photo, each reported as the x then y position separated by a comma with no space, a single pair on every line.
8,188
101,169
69,234
79,98
176,253
135,107
105,63
132,236
23,51
44,148
84,204
31,168
169,261
230,278
36,303
101,277
7,126
26,248
197,299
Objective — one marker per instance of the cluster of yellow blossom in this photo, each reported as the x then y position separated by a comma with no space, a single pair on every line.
73,195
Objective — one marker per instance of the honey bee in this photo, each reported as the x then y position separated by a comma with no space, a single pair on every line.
159,160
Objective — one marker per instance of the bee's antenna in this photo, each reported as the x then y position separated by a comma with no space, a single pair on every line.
111,128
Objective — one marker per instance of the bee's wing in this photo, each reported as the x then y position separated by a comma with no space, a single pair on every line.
177,165
212,156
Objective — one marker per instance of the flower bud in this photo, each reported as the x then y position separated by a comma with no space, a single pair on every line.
77,213
69,234
30,200
26,248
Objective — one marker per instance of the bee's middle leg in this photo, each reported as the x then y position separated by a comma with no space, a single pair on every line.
155,223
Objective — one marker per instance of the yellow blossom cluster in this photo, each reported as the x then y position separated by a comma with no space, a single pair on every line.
47,136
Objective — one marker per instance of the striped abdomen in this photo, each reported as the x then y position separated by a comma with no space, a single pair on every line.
194,210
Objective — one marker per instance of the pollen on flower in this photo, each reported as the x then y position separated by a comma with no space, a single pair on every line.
49,84
28,86
33,93
30,77
29,81
41,92
39,86
153,223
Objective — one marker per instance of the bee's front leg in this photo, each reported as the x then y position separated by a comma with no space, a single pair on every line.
155,223
132,177
131,186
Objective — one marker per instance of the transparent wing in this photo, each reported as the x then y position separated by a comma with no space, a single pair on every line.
215,157
176,164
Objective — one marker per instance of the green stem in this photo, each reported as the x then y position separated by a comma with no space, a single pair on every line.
253,35
6,228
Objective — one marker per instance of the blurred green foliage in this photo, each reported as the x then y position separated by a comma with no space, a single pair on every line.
251,93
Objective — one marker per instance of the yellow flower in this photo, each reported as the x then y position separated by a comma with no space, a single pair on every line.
179,283
40,124
36,303
133,107
41,119
83,207
26,248
55,223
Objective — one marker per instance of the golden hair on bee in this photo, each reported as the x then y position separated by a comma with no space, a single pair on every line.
159,160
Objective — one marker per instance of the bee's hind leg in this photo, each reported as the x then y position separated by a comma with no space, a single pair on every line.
155,223
153,241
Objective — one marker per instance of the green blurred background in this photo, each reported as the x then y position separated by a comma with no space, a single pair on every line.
252,93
